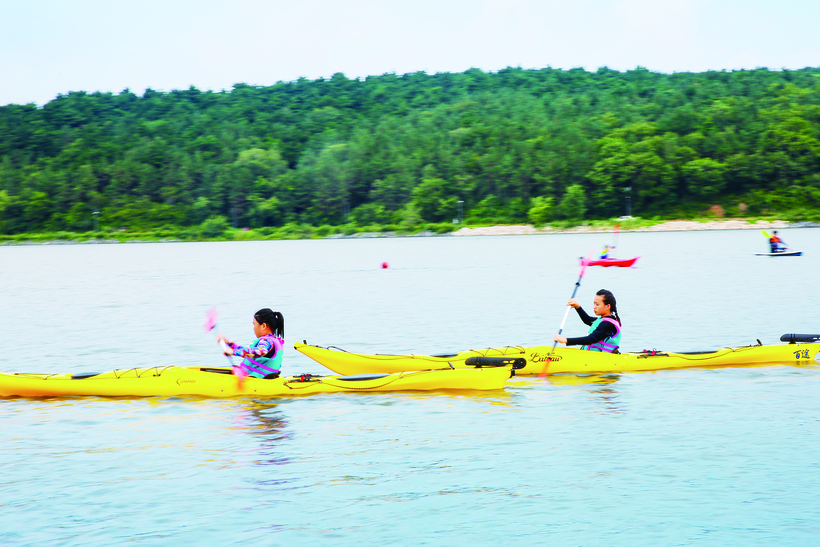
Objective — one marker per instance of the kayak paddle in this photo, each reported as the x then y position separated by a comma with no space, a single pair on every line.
210,323
211,317
584,263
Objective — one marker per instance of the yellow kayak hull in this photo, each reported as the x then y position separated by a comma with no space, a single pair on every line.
219,382
568,359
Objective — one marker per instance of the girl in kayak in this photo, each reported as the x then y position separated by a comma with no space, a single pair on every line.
604,332
263,358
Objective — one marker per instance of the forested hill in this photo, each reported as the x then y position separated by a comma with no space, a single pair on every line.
402,149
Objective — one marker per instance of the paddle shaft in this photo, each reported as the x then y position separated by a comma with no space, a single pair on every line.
560,330
563,322
226,350
566,313
210,325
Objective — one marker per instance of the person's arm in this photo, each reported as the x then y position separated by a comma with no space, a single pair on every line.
581,313
264,346
604,330
585,317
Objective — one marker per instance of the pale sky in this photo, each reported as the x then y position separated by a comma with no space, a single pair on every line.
48,47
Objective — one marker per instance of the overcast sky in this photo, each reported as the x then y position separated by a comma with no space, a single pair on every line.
48,47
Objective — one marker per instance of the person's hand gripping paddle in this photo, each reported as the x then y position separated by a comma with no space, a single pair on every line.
547,361
210,323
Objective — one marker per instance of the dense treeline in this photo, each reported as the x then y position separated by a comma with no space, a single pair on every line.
514,145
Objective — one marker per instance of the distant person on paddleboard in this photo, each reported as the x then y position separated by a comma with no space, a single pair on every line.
263,358
777,244
604,332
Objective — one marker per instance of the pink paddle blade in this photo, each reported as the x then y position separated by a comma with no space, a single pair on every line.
544,370
210,320
240,374
584,263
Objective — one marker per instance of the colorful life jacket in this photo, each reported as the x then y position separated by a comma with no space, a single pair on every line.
608,345
270,363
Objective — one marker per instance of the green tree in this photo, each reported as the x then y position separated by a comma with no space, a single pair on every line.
308,151
573,205
434,200
541,210
37,209
214,226
372,213
6,202
705,177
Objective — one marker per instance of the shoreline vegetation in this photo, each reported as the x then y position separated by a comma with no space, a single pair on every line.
407,154
292,232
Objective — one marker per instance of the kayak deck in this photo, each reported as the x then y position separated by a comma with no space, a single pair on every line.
220,382
568,359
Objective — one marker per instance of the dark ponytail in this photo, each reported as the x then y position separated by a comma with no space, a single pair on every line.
273,319
609,298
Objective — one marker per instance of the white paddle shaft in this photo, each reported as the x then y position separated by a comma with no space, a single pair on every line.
566,313
225,347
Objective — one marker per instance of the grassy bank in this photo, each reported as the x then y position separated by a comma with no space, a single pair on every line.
306,231
168,233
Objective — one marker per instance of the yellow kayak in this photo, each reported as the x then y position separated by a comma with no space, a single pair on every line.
568,359
219,382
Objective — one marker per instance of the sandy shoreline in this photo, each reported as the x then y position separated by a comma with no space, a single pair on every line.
670,226
523,229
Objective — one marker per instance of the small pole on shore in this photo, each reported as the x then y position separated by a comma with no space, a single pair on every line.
628,191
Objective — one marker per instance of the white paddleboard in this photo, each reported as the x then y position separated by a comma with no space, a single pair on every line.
785,253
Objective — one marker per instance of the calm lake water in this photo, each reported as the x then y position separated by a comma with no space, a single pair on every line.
689,457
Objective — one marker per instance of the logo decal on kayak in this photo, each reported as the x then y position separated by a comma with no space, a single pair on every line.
181,381
538,358
802,354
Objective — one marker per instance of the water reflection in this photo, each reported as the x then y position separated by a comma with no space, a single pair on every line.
266,422
571,379
496,397
600,386
608,398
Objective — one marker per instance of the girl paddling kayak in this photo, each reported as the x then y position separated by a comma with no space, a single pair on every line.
604,332
263,358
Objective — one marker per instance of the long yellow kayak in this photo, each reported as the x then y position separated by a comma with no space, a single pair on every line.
568,359
219,382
